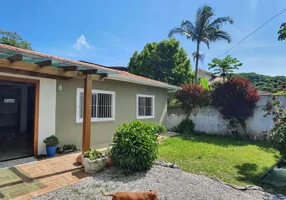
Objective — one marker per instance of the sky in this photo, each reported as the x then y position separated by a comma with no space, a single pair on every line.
108,32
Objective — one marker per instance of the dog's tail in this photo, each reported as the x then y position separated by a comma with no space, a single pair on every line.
107,195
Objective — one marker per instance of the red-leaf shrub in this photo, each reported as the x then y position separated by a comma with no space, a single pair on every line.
193,95
235,99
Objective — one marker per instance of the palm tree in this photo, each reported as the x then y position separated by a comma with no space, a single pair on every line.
203,30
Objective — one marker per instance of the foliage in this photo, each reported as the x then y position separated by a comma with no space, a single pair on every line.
203,30
51,141
135,146
14,39
159,129
224,67
92,154
69,147
271,84
205,83
278,132
163,61
282,32
235,100
239,162
193,95
186,126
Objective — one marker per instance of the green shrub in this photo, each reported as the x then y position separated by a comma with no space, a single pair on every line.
135,146
159,128
186,126
51,141
92,154
69,147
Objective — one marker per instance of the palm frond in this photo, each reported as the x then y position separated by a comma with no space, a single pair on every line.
200,56
217,23
179,31
219,35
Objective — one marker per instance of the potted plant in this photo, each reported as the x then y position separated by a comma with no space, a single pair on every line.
93,161
51,145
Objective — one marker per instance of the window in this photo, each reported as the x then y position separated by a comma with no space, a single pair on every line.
145,106
102,105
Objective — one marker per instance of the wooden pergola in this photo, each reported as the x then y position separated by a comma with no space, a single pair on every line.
18,61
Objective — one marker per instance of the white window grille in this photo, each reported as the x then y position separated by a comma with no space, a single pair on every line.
145,106
102,105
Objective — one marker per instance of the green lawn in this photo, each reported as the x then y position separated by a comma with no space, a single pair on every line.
238,162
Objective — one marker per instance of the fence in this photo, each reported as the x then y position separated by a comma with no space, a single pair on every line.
209,120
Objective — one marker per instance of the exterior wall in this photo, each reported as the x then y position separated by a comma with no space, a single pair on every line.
47,108
70,132
202,74
209,120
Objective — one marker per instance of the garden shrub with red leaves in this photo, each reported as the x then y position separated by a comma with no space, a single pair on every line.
236,100
193,95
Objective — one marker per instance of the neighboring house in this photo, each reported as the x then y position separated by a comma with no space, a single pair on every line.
79,102
209,76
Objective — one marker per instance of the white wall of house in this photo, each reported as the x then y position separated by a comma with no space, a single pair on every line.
47,108
202,74
209,120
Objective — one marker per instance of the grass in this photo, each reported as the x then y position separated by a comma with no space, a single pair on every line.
238,162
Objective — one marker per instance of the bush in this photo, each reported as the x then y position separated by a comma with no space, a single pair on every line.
236,100
159,128
193,95
135,146
51,141
92,154
277,134
186,126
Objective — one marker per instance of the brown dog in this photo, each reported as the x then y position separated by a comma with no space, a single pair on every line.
152,195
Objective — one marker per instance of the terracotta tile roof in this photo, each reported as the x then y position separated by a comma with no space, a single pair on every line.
119,73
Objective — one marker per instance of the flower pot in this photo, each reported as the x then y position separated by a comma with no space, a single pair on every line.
93,166
51,150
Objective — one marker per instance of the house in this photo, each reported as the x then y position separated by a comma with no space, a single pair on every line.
209,76
79,102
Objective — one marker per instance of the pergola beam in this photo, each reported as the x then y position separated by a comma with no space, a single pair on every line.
89,71
86,113
5,63
44,63
69,68
15,58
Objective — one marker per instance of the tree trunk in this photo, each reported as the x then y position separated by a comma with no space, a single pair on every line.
223,78
197,62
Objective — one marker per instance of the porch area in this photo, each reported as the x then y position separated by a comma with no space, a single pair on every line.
34,179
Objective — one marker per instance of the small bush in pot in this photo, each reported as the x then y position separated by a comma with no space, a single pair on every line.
135,146
51,145
93,161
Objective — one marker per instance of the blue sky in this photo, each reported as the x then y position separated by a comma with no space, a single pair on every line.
108,32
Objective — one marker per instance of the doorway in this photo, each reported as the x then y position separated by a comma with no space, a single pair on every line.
17,119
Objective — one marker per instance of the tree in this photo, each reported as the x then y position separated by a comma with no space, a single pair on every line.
193,95
14,39
282,32
236,100
224,67
203,30
163,61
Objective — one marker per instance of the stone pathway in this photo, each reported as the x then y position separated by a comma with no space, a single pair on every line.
37,178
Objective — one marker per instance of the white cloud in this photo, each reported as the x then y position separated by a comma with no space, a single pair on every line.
81,43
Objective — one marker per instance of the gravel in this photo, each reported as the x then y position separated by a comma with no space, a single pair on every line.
170,182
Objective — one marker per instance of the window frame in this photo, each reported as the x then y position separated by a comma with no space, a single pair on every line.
94,119
137,106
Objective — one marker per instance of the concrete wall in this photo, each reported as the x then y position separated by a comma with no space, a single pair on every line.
70,132
209,120
47,108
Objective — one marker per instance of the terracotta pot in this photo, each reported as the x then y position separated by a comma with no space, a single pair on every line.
79,159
